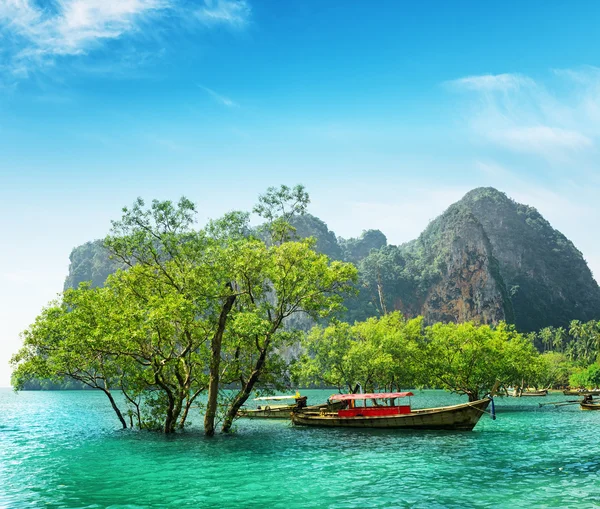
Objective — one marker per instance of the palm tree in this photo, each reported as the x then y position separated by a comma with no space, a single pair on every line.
576,332
588,342
559,338
546,337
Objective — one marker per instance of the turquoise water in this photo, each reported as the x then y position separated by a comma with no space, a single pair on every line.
64,450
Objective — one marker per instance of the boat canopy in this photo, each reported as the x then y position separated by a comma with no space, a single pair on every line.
275,398
376,395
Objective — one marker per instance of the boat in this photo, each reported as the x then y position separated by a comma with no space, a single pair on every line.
461,417
581,392
519,394
589,403
270,411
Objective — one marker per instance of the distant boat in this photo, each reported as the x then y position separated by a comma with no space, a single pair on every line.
461,417
519,394
270,411
581,392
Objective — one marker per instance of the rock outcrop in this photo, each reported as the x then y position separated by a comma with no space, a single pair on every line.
488,258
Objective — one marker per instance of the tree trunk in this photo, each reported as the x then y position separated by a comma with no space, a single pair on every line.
215,363
473,396
184,416
115,407
188,405
244,394
170,419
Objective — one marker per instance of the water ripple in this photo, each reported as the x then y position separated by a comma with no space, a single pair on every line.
64,450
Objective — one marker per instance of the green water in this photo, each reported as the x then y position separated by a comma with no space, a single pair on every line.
64,450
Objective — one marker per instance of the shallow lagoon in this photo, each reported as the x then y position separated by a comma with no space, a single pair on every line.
64,450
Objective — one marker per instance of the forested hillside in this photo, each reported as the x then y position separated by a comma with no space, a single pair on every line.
486,258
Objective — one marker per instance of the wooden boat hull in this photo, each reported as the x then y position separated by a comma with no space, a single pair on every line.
462,417
590,406
284,412
268,413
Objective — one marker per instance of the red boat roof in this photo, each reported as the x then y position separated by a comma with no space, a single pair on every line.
375,395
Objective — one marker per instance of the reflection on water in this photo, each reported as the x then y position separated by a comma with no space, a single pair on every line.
64,450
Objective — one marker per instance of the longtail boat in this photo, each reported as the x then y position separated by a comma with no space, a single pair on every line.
589,403
581,392
519,394
270,411
462,417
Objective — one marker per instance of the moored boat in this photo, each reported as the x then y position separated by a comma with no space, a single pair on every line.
461,417
543,392
270,411
518,393
589,403
274,411
581,392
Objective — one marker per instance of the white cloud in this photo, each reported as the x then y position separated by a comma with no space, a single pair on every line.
221,99
234,13
34,37
72,27
556,119
493,82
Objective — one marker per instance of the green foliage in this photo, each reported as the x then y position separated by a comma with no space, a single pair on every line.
391,353
588,378
541,277
278,207
377,354
90,262
307,225
355,249
554,370
580,342
191,311
469,359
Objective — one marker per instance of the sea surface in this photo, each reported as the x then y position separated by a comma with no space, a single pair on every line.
65,450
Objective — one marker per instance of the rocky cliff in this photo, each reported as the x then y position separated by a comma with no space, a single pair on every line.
486,258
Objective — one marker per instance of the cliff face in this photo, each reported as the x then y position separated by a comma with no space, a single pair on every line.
548,280
494,259
468,286
486,258
89,262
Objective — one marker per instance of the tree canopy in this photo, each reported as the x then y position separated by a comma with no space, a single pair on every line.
192,311
391,353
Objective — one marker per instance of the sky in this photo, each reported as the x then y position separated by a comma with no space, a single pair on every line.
386,111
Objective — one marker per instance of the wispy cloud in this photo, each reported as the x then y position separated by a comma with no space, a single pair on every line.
493,82
221,99
71,27
541,139
556,119
234,13
34,37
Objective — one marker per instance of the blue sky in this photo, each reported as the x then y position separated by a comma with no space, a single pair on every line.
387,111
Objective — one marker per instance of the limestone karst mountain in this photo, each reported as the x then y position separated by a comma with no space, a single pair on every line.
486,258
